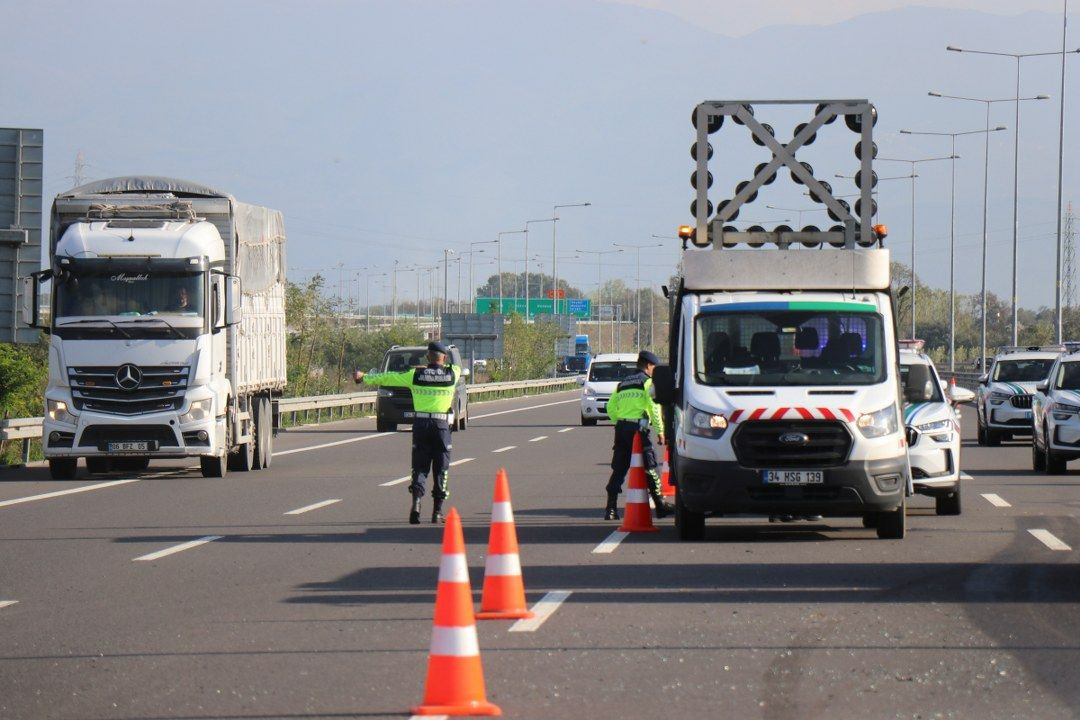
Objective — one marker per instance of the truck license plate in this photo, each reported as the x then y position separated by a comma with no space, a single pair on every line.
129,446
793,477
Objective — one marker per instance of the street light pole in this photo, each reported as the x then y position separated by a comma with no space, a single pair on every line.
498,241
554,260
527,224
637,299
599,291
393,313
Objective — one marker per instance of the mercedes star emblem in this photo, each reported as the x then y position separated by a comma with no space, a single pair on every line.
128,377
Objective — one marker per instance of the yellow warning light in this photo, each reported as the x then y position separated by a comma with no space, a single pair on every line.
881,231
686,232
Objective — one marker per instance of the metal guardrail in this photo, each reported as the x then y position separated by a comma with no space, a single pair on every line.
27,429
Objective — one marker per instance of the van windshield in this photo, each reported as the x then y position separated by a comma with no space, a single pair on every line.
612,371
789,344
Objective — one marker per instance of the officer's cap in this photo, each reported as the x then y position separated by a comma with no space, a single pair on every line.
438,347
647,358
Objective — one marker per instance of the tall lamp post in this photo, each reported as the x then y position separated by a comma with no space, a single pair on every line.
554,259
637,294
952,227
599,287
472,287
527,224
912,175
987,102
1016,173
498,240
367,297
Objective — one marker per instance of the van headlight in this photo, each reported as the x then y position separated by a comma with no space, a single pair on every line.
589,392
878,424
384,392
705,424
198,411
58,411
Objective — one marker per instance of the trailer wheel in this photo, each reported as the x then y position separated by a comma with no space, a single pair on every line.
213,466
63,468
263,433
243,459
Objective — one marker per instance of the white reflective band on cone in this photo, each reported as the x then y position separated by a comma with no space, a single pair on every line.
636,460
453,568
503,565
454,641
637,496
501,512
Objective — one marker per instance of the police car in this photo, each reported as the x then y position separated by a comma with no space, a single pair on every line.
932,425
1056,416
1003,403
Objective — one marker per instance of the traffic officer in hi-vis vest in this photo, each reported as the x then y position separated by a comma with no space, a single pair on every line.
433,388
632,409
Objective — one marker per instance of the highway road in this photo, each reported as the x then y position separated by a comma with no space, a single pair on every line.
301,591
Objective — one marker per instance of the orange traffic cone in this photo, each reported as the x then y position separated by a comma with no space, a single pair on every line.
637,516
504,590
455,677
666,488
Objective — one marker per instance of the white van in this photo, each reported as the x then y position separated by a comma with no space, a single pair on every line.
605,373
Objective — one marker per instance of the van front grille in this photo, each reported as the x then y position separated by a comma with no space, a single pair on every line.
757,444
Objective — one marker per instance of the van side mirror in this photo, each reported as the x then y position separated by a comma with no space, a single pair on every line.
959,395
663,384
234,312
580,380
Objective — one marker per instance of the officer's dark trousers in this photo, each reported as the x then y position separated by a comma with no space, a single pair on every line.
623,451
430,454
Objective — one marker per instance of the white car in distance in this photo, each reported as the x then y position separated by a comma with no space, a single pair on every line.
605,374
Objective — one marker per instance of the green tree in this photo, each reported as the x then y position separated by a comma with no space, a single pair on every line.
528,350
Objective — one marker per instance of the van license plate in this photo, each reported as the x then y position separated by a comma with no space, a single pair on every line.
129,446
793,477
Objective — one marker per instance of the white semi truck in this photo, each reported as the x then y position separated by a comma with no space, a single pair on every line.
166,327
782,390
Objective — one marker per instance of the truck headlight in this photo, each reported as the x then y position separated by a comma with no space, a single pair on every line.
705,424
198,410
996,398
878,424
58,411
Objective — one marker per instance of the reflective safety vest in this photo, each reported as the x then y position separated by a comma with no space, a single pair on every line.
633,401
432,386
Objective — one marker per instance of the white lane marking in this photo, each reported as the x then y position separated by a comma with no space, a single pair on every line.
965,476
567,429
1048,539
996,500
504,449
538,438
7,603
314,506
430,717
531,407
542,611
178,548
407,478
610,543
72,491
332,444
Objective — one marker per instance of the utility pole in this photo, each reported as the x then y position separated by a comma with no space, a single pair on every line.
637,293
393,311
527,224
1069,251
79,177
554,261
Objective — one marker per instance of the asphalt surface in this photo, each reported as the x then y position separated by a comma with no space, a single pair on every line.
327,612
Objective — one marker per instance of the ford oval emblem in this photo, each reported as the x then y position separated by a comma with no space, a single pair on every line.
794,438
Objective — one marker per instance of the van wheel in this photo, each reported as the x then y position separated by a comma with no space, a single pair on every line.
948,504
1055,463
97,465
690,525
212,466
465,417
893,525
385,425
588,422
1038,455
870,520
63,468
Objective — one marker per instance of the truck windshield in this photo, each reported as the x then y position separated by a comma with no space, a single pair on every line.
789,346
130,294
1022,370
612,371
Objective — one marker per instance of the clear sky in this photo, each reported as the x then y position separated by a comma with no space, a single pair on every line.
740,17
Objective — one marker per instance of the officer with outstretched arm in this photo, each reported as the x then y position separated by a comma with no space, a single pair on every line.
633,409
433,388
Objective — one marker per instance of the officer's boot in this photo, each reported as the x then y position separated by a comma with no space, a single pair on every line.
661,505
611,512
436,512
414,513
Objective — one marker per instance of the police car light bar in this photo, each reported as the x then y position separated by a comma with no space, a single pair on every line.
916,345
1011,349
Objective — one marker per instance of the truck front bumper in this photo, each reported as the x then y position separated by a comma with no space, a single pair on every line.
726,488
159,435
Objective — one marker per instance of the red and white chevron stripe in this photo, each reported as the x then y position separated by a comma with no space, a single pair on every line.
791,413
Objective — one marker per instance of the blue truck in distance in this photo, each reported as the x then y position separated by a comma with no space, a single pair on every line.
579,361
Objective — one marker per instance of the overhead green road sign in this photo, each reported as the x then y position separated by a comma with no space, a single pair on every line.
578,307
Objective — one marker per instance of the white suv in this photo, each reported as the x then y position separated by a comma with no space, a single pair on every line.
605,374
1003,404
1056,416
933,431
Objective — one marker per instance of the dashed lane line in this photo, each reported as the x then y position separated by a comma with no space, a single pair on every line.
541,611
996,500
400,480
7,603
178,548
313,506
1048,539
504,449
531,407
72,491
538,438
332,444
610,543
567,429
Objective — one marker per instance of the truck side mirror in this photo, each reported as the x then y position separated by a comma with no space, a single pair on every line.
30,309
234,313
663,384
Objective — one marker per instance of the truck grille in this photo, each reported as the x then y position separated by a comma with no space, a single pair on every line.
99,389
757,444
1021,401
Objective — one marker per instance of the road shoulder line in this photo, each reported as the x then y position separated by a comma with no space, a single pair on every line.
542,610
178,548
610,543
1048,539
996,500
313,506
